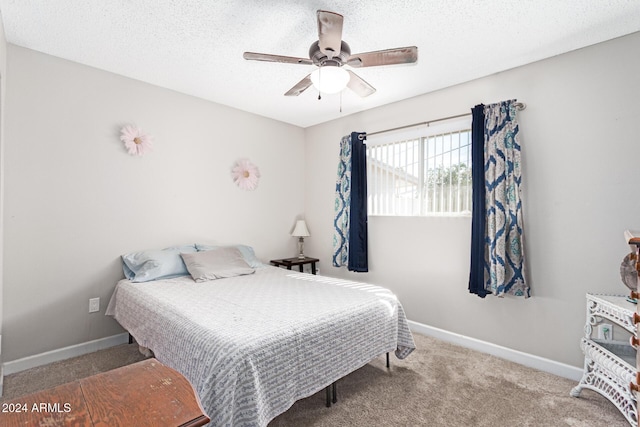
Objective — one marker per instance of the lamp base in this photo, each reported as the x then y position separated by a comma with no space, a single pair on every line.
301,254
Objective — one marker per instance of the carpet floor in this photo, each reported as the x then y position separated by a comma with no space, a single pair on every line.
439,384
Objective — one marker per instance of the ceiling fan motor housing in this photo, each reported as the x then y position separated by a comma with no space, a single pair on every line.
320,59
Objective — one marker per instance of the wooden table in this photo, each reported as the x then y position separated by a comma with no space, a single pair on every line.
146,393
300,262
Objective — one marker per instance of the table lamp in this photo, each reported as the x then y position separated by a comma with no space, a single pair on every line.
301,231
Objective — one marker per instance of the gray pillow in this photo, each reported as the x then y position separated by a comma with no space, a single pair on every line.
247,252
216,263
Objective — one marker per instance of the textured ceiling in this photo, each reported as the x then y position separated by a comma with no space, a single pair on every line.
196,46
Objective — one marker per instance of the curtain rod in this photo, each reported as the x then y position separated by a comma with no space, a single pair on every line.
519,106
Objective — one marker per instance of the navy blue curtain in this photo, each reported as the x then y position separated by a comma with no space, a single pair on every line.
476,275
358,231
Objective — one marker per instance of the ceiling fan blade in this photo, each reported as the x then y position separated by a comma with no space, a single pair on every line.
401,55
300,87
252,56
330,32
359,86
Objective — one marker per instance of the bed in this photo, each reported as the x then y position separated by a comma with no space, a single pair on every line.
252,344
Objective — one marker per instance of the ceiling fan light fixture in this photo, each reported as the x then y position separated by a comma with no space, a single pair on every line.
330,79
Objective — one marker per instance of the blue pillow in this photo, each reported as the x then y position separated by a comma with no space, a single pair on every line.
247,253
150,265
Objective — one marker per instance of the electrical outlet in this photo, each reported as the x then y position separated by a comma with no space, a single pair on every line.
605,332
94,305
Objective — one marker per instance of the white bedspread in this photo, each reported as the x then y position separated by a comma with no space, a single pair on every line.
253,345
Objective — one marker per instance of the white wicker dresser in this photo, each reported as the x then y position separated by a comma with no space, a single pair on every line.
610,366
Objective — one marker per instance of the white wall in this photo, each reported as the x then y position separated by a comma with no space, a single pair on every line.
75,200
580,171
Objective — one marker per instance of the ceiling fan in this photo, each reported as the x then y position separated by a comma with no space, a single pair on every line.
330,53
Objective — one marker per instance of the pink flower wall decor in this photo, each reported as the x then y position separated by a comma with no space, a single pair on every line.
245,174
136,141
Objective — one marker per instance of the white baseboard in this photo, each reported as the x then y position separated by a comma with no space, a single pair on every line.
526,359
63,353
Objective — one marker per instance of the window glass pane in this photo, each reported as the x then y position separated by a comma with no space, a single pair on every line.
430,175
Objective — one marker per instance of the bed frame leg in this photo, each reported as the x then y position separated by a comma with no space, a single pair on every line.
388,360
328,391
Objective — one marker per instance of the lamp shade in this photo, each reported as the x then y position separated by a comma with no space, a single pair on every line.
330,79
300,229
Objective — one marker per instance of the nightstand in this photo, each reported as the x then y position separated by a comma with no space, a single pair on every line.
300,262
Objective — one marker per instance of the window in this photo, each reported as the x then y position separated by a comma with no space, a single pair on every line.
425,171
